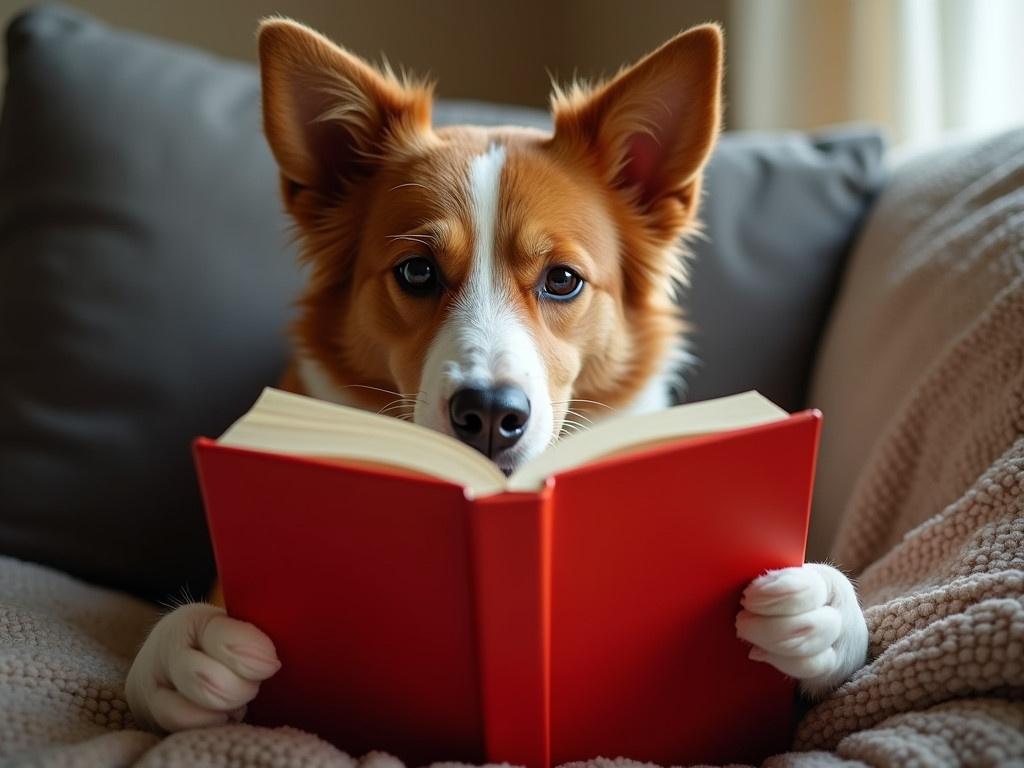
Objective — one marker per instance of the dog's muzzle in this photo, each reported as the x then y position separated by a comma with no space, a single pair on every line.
489,419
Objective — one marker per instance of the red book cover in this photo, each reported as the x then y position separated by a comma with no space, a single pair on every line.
592,617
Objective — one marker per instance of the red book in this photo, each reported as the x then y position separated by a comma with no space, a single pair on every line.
590,616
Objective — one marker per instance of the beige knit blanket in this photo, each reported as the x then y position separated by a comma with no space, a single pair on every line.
935,531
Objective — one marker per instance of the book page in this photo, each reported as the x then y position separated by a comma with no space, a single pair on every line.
282,422
618,434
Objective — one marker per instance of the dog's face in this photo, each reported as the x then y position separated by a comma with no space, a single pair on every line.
489,277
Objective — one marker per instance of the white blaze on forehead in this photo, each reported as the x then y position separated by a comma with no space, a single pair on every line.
483,318
484,190
484,341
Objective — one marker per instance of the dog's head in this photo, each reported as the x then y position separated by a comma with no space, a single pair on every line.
490,277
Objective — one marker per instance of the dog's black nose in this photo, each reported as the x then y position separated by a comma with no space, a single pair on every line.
489,419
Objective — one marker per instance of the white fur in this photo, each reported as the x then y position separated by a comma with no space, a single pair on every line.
806,622
198,668
316,382
664,386
483,341
653,397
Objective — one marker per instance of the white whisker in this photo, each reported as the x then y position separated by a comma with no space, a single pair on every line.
379,389
403,403
579,427
579,400
426,239
578,415
409,184
395,409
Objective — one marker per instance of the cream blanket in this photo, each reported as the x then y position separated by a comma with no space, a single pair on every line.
935,531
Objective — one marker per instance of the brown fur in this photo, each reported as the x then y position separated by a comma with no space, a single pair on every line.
368,182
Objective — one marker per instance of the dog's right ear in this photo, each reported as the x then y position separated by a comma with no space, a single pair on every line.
327,114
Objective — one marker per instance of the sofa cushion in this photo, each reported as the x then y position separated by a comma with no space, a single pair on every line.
146,278
780,211
144,287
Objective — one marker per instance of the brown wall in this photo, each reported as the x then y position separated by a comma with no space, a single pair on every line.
500,51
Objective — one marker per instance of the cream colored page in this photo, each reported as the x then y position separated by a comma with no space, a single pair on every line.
293,424
617,434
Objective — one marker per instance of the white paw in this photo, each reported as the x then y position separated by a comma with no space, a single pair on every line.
805,622
198,667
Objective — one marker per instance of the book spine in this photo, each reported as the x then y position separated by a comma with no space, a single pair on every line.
511,539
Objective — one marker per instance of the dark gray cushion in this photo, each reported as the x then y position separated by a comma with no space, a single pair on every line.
780,213
145,280
144,289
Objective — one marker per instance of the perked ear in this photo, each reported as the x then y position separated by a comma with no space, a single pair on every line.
651,128
326,113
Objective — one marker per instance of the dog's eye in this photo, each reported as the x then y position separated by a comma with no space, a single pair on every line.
562,283
417,276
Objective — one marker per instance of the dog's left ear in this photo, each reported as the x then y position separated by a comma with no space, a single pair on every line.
652,127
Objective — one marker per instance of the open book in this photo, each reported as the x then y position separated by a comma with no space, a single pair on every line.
287,423
424,604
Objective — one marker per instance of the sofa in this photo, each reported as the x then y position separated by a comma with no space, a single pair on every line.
146,281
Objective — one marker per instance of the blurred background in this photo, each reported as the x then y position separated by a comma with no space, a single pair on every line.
920,68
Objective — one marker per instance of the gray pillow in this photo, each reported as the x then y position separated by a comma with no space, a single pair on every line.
145,280
146,276
780,213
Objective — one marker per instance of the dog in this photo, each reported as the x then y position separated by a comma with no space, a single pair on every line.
490,279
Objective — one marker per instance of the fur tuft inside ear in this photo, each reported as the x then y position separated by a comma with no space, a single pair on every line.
327,114
651,128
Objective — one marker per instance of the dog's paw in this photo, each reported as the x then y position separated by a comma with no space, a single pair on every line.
198,667
805,622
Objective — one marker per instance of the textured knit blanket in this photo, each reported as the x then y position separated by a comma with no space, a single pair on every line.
934,532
